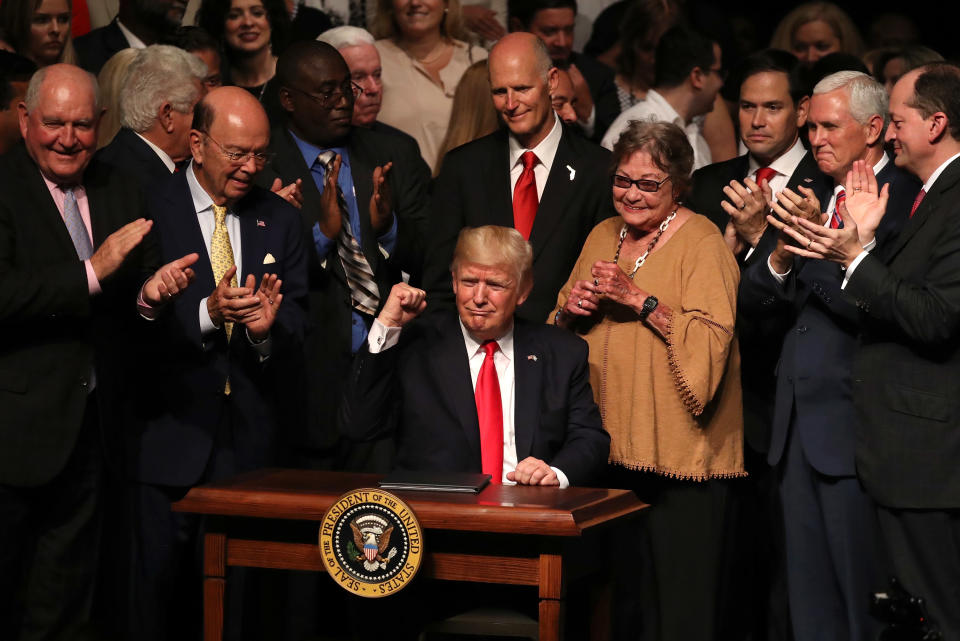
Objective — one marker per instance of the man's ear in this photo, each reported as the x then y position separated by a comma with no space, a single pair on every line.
874,129
697,77
196,146
22,116
165,116
553,80
803,108
938,125
285,100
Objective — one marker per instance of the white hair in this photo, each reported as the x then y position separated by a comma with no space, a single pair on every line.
867,96
159,74
346,36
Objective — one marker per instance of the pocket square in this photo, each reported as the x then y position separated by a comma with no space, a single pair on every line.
269,259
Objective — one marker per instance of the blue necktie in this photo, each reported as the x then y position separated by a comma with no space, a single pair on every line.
75,227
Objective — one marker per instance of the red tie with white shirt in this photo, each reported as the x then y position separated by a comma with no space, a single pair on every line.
490,415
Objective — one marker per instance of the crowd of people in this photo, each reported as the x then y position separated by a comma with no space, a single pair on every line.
712,269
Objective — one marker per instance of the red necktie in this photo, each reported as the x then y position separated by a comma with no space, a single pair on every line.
765,173
525,200
835,221
916,202
490,413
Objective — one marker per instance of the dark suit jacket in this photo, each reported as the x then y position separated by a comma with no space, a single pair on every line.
128,154
761,336
603,90
813,383
906,374
421,391
172,433
57,333
327,354
473,189
95,48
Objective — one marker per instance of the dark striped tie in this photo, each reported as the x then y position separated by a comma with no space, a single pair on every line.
364,292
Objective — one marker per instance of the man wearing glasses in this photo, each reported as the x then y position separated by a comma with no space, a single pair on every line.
363,216
206,406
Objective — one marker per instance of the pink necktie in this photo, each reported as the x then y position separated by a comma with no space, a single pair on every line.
916,202
525,201
490,414
835,221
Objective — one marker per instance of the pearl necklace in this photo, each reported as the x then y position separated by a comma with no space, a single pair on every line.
643,257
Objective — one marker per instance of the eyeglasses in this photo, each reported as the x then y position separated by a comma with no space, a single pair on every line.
260,159
643,184
331,97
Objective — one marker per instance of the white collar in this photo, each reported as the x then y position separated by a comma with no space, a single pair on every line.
132,40
786,163
161,154
545,151
505,342
201,199
933,177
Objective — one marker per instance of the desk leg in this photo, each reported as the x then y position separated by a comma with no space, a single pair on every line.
551,597
214,585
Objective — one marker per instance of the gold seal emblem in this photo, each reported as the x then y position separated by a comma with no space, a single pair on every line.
371,543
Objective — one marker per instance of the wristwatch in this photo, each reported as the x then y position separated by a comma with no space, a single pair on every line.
649,305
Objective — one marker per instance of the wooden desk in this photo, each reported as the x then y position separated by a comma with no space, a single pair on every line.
505,534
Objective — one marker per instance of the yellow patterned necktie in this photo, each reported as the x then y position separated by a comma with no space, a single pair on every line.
221,259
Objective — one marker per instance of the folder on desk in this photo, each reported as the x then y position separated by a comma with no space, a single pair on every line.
435,481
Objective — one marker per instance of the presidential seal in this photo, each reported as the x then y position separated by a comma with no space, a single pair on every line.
371,542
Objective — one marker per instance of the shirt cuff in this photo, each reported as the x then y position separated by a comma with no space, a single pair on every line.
780,278
93,285
854,264
262,348
388,242
564,481
146,310
321,242
381,338
207,326
590,123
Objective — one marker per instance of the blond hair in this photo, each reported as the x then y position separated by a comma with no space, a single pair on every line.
843,27
473,115
495,245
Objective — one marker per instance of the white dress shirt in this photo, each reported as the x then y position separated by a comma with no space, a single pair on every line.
382,338
203,205
546,151
655,108
161,154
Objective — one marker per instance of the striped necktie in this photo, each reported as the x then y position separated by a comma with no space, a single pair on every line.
364,293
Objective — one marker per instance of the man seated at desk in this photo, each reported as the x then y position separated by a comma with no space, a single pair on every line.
479,391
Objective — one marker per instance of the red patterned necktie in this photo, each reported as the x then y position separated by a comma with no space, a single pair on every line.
765,173
525,201
916,202
490,413
835,221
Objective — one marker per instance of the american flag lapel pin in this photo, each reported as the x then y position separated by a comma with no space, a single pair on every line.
532,357
260,223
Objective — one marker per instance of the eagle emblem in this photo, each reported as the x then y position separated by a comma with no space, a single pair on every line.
371,536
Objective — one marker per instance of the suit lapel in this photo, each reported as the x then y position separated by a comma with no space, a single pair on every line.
250,243
450,363
927,207
46,210
528,375
556,194
498,181
186,232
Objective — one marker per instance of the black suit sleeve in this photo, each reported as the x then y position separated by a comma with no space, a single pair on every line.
587,445
370,406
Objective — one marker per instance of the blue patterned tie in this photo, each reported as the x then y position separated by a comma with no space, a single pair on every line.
75,227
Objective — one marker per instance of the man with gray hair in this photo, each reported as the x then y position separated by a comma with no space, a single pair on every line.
161,88
834,551
72,259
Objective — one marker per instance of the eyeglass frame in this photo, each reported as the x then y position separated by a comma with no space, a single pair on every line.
333,97
260,159
636,183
